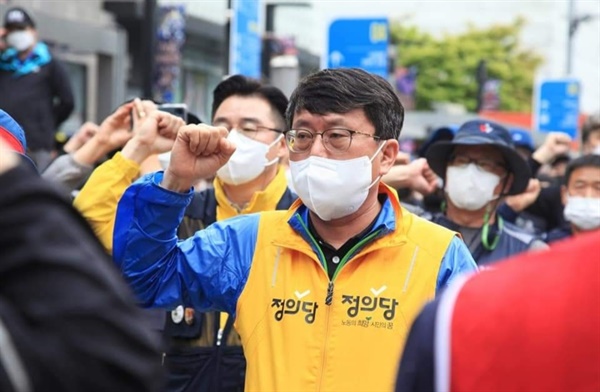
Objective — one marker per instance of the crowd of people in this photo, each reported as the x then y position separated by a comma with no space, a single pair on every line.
289,244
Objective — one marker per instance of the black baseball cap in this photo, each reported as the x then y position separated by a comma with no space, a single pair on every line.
17,18
482,133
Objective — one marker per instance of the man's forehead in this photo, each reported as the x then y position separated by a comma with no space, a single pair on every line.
586,173
243,107
304,117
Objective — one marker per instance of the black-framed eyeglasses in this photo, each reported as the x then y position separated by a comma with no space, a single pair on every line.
249,128
484,164
335,140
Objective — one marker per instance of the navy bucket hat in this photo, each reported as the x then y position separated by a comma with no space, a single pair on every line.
482,133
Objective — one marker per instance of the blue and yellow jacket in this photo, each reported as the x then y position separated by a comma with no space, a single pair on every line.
300,330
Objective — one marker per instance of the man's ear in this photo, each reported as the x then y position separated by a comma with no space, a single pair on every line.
388,156
282,150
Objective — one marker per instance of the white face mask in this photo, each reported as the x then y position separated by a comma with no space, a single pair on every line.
470,188
248,161
596,150
20,40
331,188
583,212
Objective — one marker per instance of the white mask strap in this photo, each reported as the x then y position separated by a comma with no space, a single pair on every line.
373,157
276,140
274,161
378,150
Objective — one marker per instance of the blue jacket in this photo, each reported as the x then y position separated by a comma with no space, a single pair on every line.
209,270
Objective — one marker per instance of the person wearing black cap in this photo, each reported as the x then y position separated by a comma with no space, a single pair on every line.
35,87
480,166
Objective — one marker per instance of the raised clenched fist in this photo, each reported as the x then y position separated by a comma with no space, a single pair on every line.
199,151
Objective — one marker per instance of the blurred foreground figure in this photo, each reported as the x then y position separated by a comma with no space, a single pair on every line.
67,321
530,325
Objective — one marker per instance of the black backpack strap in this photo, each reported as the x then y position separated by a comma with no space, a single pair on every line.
286,200
198,214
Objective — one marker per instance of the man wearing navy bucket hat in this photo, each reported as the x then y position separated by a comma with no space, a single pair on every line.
480,166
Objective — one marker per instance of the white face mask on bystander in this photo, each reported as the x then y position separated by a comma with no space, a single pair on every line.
20,40
248,161
470,188
583,212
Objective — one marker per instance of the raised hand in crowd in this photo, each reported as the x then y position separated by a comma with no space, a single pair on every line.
523,200
556,143
71,170
199,151
82,136
415,175
154,132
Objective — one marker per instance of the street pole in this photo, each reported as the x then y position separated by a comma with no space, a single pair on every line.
147,52
266,50
227,37
482,77
572,27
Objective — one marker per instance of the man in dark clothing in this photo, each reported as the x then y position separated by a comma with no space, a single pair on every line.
581,198
35,86
480,167
67,320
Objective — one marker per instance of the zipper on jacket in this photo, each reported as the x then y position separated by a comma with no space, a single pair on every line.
324,361
219,336
329,298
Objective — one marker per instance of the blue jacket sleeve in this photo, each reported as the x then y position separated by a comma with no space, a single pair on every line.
507,213
456,261
207,271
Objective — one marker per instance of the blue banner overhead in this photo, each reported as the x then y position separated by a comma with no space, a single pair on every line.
245,38
557,106
360,43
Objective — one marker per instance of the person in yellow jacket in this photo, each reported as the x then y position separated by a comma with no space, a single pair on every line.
324,292
204,351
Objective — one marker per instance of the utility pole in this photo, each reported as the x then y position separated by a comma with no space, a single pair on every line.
147,49
228,16
572,27
482,77
573,24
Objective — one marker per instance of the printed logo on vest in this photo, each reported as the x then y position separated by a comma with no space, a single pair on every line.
365,311
293,306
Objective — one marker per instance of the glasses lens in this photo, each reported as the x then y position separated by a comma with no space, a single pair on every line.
337,140
298,140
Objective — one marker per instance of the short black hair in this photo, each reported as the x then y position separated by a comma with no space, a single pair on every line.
591,124
247,87
589,160
341,90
